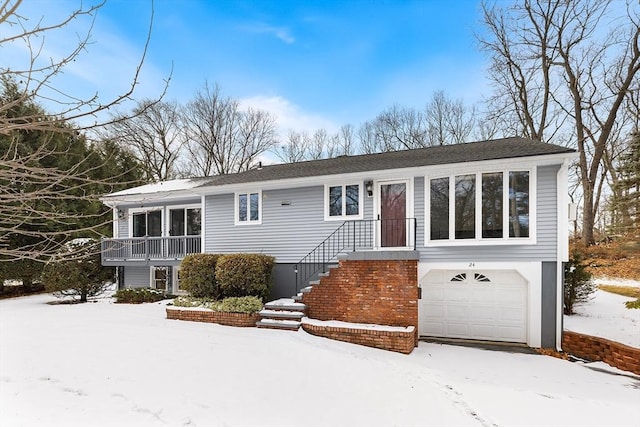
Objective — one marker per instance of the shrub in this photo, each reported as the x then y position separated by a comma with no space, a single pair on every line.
240,275
198,275
633,304
578,286
77,271
138,295
247,305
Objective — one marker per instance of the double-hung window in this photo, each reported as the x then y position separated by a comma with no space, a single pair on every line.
343,202
481,206
249,208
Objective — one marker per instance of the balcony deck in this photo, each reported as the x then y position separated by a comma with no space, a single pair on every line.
148,249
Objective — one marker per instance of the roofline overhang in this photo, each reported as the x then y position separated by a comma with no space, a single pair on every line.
374,174
382,174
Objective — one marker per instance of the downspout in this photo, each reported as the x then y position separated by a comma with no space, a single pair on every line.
562,252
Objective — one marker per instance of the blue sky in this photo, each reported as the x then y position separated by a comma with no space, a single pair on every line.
312,63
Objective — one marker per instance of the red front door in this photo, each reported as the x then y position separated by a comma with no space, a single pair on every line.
393,214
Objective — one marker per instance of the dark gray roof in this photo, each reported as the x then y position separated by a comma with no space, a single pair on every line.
459,153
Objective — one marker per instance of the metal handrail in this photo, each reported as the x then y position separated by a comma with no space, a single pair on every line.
355,235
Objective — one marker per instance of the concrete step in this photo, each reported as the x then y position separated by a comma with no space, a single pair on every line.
287,325
306,290
297,298
281,314
287,304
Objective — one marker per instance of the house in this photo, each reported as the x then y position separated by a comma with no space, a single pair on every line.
461,241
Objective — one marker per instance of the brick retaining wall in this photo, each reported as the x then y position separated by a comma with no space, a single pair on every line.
209,316
600,349
381,292
399,341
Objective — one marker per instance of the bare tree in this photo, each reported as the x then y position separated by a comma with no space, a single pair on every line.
448,121
154,136
222,138
38,192
554,70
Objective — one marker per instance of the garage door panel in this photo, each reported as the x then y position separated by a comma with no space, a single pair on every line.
485,305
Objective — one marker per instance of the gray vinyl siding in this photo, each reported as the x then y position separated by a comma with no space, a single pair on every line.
290,231
546,230
123,224
287,232
137,276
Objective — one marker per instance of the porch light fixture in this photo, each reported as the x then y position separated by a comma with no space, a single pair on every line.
121,214
368,185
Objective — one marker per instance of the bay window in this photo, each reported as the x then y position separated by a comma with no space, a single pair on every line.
479,206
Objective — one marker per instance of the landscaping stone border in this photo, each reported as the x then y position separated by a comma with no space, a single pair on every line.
612,353
196,314
398,341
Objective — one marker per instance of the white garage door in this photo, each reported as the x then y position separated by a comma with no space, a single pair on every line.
481,305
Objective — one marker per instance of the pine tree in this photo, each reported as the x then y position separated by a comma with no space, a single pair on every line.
625,203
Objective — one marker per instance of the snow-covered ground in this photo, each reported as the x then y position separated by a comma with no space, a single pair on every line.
606,316
105,364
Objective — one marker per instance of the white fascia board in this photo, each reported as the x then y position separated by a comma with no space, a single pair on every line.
376,175
170,196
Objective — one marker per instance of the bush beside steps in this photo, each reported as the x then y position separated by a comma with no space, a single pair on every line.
233,311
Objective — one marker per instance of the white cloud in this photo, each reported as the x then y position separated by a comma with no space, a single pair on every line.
289,116
281,33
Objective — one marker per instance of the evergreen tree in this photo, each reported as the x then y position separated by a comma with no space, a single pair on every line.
51,179
625,203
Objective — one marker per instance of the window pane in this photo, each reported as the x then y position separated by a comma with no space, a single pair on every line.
242,207
439,208
492,187
193,222
335,201
519,204
352,196
177,222
154,223
139,225
254,206
465,213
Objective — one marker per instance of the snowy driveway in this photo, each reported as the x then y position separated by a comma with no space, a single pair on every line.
105,364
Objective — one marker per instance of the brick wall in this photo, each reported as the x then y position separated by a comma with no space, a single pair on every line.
400,341
382,292
600,349
208,316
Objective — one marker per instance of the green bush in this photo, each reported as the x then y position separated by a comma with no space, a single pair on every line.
189,301
138,295
633,304
77,271
198,275
240,275
228,305
578,286
247,305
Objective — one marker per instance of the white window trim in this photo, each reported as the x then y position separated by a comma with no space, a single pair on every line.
410,210
478,240
133,211
236,208
152,278
344,217
166,227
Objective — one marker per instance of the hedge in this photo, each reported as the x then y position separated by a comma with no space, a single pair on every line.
240,275
198,275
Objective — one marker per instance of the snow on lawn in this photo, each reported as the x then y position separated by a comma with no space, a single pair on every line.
105,364
606,316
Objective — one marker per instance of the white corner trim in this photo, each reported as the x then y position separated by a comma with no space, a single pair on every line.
562,188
